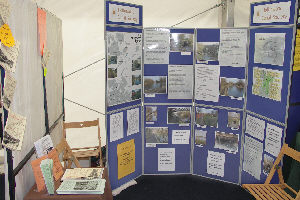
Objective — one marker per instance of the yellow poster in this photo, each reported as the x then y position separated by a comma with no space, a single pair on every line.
126,158
6,36
297,52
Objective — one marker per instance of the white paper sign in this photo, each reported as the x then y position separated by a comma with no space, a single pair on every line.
273,139
116,126
43,146
133,120
255,127
157,46
180,82
166,159
233,47
207,82
125,14
215,163
181,136
274,12
253,150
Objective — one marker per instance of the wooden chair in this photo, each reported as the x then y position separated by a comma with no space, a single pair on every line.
269,191
67,154
85,151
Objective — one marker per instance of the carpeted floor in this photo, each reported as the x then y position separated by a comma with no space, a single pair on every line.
182,187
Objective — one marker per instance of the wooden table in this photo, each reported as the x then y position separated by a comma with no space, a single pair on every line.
34,195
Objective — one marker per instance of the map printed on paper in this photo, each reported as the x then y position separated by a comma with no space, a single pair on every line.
124,61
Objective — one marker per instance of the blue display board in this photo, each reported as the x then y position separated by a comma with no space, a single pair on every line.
112,151
247,178
271,12
273,109
224,137
125,19
158,134
213,35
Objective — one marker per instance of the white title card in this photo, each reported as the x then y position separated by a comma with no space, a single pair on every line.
166,159
181,136
215,163
125,14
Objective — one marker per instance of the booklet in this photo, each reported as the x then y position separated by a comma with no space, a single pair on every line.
82,173
95,186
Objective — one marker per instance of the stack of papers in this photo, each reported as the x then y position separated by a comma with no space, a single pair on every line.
95,186
83,174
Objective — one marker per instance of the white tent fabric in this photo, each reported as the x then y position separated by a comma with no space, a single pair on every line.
83,37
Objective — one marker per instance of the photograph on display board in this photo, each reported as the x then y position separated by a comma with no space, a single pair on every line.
155,84
112,60
227,141
207,117
207,51
136,79
232,87
112,72
267,83
136,94
234,120
200,138
179,115
156,135
182,42
267,164
151,113
136,64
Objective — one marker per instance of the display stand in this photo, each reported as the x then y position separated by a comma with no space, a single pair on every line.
123,24
268,85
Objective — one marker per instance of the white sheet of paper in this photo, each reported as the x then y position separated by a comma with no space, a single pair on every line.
166,159
157,46
253,151
133,119
43,146
207,82
255,127
273,139
116,126
9,56
125,14
269,48
267,83
181,136
180,82
14,131
215,163
10,84
233,47
274,12
5,10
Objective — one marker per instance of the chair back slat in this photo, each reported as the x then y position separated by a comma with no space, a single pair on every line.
83,124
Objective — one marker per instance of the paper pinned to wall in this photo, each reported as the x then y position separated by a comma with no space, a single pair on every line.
267,83
180,82
133,121
5,10
9,56
233,47
9,90
126,158
157,46
255,127
6,36
43,146
124,14
116,126
273,139
14,131
253,151
269,48
181,136
42,29
207,82
215,163
166,159
272,12
296,66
